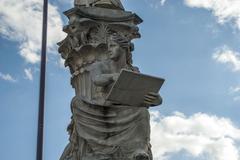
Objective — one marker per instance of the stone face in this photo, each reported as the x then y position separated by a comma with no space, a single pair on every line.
97,47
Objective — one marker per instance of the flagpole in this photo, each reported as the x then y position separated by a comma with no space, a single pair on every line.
39,155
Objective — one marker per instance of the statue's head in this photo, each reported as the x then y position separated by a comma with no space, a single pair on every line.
120,47
115,51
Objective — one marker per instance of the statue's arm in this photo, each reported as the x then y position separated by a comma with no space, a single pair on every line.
102,80
105,79
102,75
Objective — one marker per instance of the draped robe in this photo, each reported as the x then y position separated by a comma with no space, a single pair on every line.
102,130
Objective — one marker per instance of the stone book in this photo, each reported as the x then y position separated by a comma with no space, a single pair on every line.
131,87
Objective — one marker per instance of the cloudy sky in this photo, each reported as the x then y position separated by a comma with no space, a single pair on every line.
193,44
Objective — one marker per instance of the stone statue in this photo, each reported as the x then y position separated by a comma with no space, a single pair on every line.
115,4
98,46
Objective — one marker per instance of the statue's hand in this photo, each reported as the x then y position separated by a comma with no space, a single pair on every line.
152,99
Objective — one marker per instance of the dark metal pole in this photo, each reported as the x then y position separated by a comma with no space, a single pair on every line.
39,155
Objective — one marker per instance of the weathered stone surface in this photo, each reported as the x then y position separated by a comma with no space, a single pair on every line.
113,4
133,92
97,47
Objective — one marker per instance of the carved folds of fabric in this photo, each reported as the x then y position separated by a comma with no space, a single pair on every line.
111,131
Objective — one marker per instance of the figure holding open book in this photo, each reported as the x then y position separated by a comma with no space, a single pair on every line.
110,117
107,129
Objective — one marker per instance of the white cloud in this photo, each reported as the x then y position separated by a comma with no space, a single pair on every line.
235,89
7,77
227,56
155,3
28,74
21,21
61,62
224,10
162,2
198,135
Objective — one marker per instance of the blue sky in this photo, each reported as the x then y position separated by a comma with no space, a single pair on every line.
193,44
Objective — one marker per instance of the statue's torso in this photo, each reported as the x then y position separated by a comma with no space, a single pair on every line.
84,84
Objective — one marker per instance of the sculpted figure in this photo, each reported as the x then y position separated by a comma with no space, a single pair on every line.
96,49
101,130
114,4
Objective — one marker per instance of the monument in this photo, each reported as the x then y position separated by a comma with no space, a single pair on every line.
110,117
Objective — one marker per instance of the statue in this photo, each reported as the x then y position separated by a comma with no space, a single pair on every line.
96,49
115,4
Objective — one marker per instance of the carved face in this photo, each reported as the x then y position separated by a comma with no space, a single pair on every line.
115,51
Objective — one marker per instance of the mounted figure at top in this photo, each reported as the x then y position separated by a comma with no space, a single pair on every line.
111,4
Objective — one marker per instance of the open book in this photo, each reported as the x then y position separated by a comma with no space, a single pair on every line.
130,88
